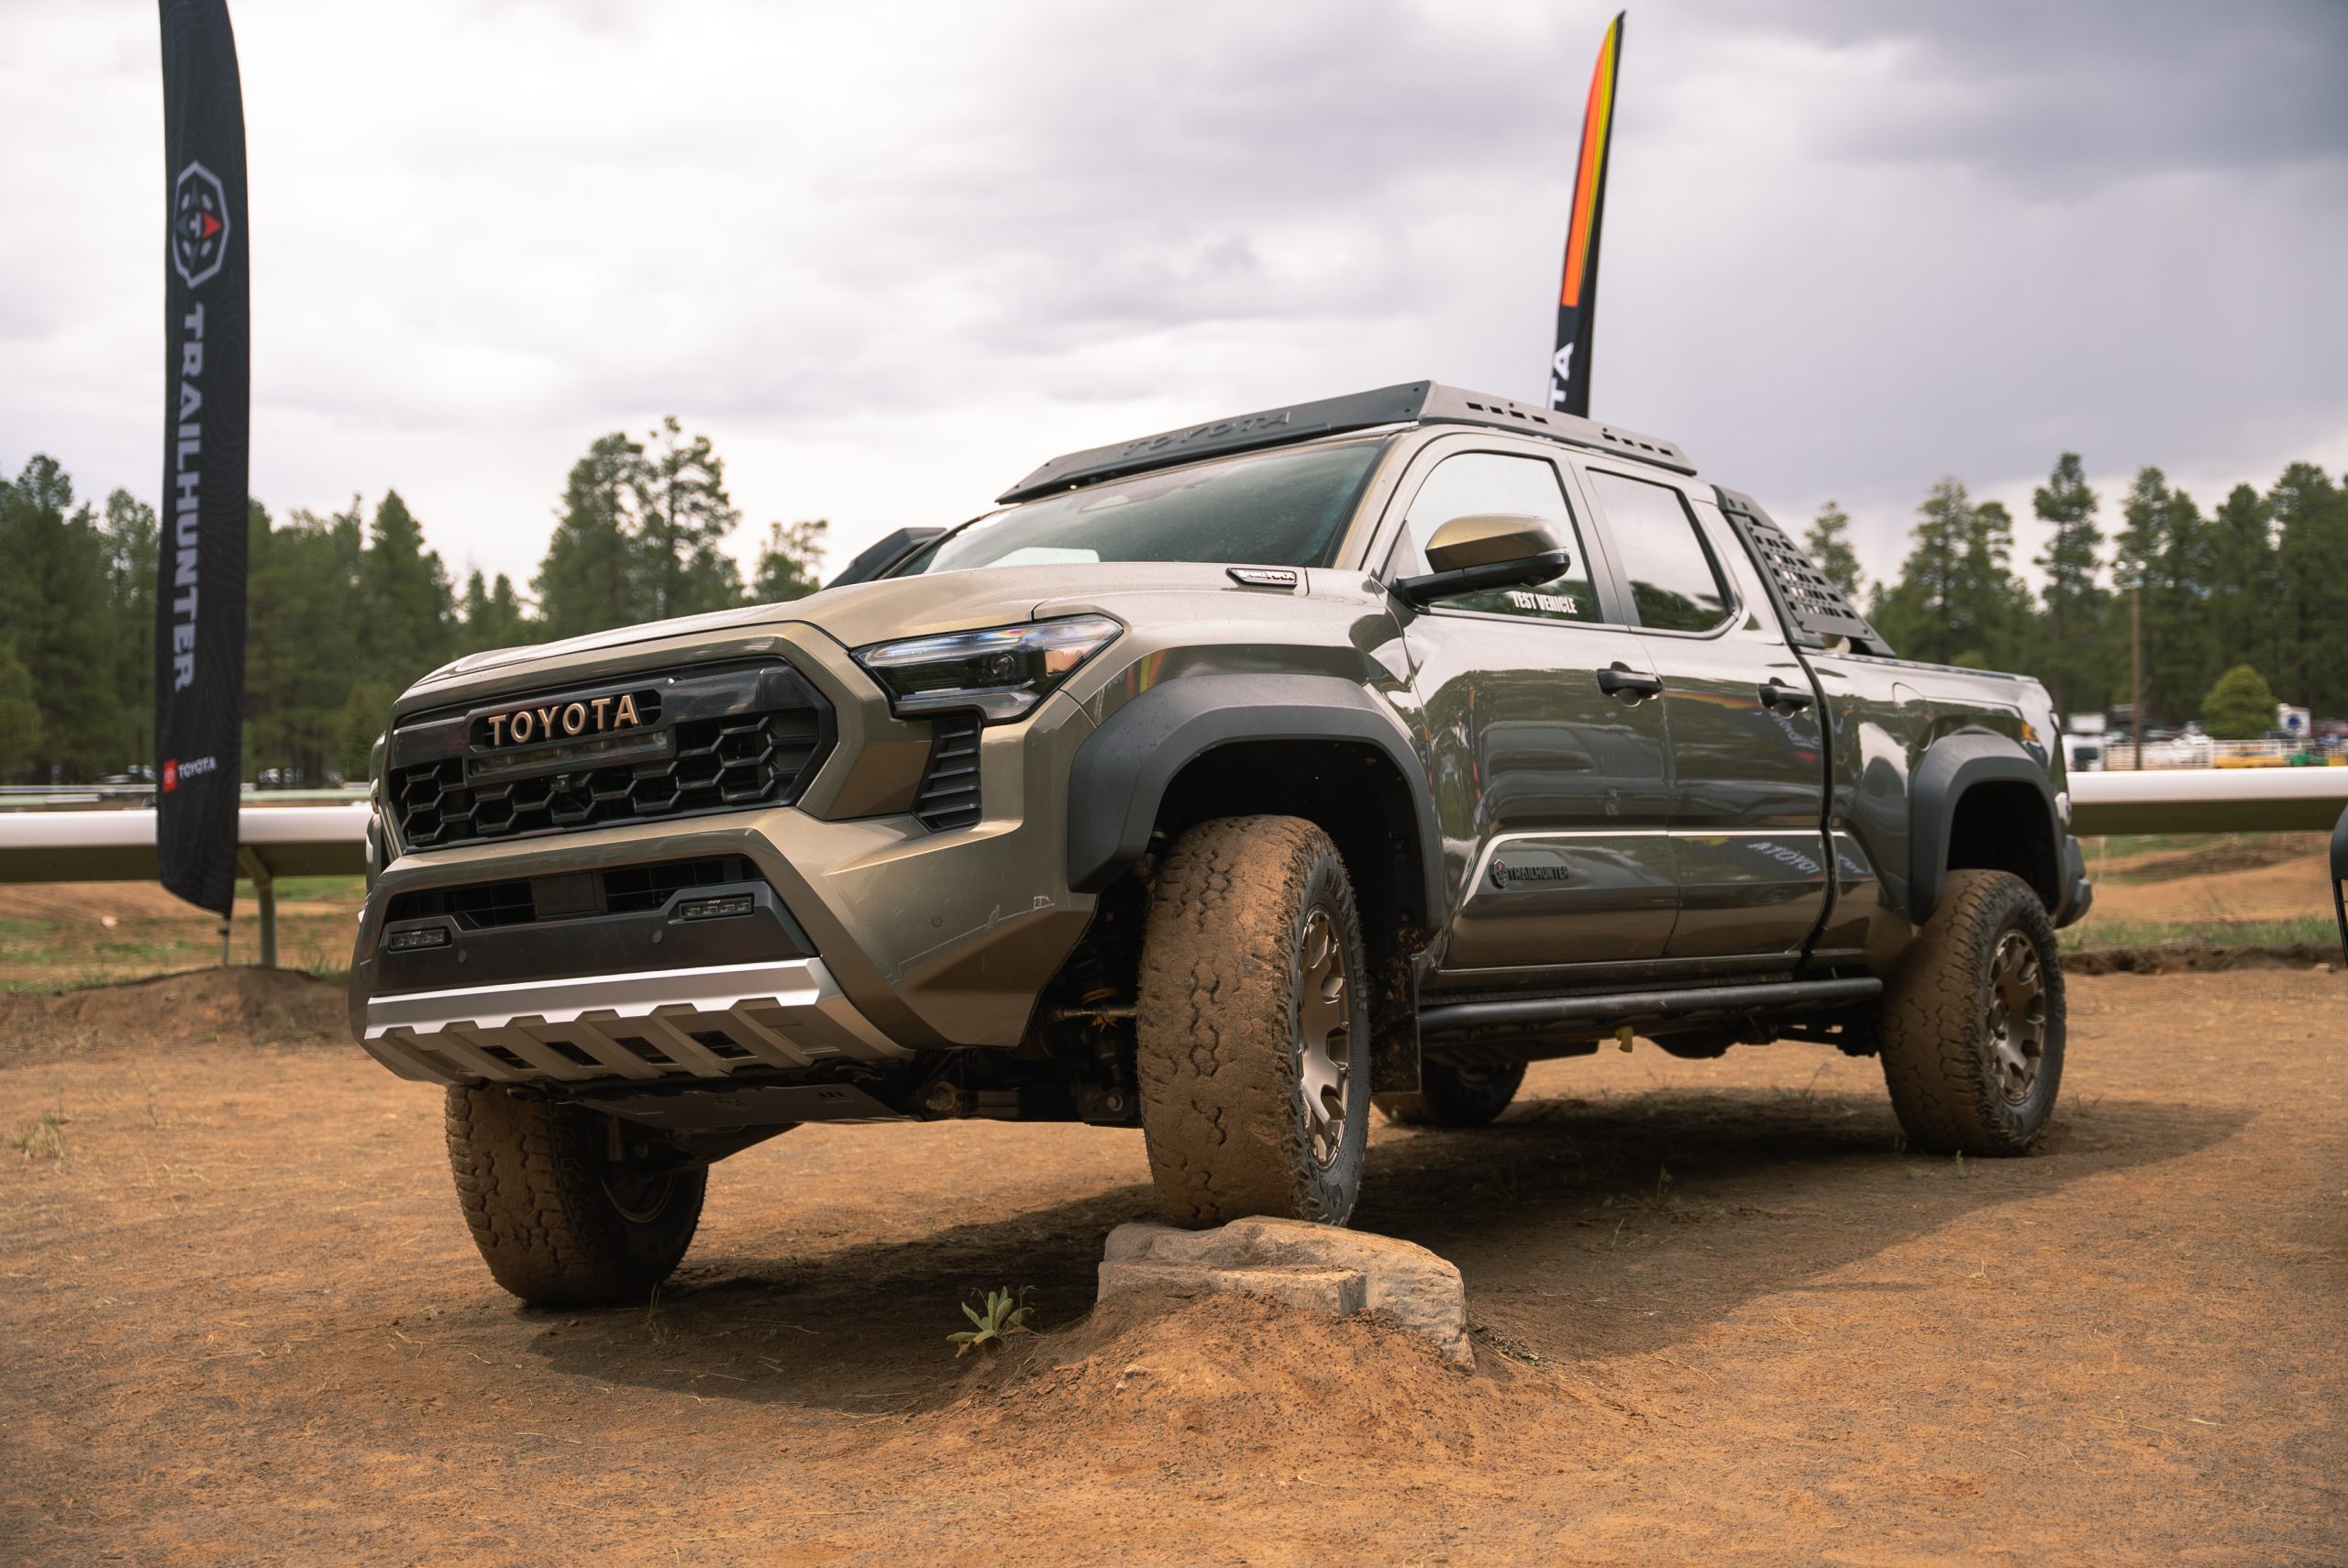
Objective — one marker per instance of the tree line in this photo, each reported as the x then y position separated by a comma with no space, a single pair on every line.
2260,583
343,610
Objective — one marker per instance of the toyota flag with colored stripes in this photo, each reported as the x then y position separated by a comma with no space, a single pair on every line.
1577,295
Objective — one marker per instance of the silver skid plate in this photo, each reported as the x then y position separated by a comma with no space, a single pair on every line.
658,1024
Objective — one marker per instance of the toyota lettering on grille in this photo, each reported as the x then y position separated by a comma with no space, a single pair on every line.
564,720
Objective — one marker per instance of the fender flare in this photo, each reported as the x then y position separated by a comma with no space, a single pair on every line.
1122,771
1949,767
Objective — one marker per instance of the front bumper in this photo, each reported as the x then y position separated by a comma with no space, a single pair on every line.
903,938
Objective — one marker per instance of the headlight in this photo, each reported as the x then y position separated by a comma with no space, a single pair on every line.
1002,672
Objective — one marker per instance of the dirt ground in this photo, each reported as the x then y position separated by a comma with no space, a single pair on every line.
1723,1318
2217,880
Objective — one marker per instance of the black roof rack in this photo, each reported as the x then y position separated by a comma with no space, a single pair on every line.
1412,403
1807,598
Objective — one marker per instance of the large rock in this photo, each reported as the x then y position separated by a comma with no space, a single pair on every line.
1317,1267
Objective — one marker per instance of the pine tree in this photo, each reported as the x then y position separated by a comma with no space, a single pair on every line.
19,715
791,564
1992,625
2166,547
306,636
128,533
2312,561
366,712
588,581
491,616
408,610
2244,591
1920,614
1829,543
53,606
683,516
2072,656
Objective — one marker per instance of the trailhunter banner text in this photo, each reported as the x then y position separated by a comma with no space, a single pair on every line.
200,588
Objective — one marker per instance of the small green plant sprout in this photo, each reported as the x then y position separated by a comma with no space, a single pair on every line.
1005,1315
45,1139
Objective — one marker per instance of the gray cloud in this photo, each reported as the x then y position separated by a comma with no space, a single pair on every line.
892,257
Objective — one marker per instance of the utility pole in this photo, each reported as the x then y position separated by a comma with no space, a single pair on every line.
2136,667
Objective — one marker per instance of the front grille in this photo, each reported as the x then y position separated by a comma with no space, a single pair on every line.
949,797
733,740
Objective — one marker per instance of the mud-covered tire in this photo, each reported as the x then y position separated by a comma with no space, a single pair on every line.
1235,993
1454,1096
559,1222
1952,1035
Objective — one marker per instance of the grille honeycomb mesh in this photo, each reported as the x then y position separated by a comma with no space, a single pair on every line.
719,764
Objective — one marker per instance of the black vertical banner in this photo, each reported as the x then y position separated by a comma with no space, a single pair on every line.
1577,293
200,588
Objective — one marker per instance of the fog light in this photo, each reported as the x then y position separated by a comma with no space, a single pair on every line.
409,941
716,909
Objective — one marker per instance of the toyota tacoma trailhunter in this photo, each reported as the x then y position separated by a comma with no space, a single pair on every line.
1215,783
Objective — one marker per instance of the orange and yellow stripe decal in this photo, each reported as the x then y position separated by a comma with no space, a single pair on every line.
1595,119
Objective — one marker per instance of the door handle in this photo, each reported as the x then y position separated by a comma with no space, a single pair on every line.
1774,694
1631,685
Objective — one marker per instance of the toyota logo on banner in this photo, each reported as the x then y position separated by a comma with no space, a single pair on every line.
199,225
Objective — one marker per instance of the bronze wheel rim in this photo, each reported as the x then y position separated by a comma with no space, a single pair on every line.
2017,1020
1324,1035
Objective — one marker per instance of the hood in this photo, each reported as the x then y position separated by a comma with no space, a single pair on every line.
863,612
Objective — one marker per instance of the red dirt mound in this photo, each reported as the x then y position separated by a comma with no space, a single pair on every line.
1144,1376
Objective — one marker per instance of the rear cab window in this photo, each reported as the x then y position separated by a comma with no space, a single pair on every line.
1675,585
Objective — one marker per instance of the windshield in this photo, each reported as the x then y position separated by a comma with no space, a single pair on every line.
1284,508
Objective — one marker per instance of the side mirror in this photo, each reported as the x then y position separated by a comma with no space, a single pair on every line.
1485,550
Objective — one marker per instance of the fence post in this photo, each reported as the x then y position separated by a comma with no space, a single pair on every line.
265,891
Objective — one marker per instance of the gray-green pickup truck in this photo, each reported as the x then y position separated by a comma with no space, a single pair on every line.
1217,783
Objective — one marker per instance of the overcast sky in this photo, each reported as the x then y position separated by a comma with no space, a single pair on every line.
891,255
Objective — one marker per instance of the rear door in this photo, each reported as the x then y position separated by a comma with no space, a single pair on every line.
1553,771
1748,757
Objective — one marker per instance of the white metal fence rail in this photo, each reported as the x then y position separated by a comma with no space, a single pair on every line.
329,838
119,847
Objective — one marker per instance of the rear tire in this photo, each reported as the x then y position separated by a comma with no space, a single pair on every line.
1973,1022
1253,1034
558,1220
1454,1096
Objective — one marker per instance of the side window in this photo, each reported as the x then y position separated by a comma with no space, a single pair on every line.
1482,483
1674,585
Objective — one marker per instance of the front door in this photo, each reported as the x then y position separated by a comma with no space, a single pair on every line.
1748,756
1554,778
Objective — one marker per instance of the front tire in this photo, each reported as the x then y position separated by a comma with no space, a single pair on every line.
1973,1022
1253,1035
561,1221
